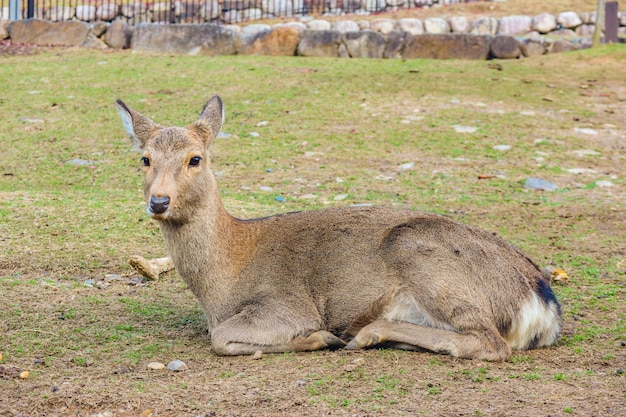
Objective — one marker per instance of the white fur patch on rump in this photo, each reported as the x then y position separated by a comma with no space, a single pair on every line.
537,324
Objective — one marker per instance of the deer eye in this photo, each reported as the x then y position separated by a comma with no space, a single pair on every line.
145,161
195,161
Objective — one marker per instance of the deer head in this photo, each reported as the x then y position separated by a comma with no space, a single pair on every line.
175,161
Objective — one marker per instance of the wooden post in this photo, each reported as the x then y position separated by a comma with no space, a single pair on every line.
611,23
597,32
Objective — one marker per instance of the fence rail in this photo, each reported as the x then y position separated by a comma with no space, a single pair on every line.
199,11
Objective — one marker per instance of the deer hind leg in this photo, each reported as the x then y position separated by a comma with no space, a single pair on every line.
486,344
254,330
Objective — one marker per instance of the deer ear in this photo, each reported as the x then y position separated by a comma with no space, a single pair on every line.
136,125
211,119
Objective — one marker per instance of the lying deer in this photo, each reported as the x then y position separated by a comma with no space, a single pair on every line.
344,277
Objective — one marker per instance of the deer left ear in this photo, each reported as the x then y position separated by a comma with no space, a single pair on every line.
137,126
211,119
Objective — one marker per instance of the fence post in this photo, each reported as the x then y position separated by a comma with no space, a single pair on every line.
611,24
15,10
30,11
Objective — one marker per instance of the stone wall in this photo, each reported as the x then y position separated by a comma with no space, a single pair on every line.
436,38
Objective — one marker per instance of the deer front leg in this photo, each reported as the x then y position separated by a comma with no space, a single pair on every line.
246,333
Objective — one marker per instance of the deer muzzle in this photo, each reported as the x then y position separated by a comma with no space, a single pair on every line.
158,205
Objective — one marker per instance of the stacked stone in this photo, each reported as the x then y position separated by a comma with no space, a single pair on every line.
506,38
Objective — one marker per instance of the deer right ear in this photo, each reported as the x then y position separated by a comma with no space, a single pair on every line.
211,118
136,125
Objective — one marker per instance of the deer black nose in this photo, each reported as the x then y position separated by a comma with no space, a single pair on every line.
159,205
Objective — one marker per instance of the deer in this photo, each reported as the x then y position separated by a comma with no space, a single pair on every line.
351,277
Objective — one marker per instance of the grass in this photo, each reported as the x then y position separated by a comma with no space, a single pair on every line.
328,134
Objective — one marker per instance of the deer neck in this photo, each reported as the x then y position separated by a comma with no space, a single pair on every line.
207,252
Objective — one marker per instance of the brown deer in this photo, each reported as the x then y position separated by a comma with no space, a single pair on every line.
350,277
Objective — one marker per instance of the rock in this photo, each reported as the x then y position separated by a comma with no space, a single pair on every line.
459,24
364,24
43,32
585,30
604,183
277,7
281,41
532,47
257,355
4,29
436,25
107,11
514,25
563,45
133,9
205,39
98,28
345,26
539,184
86,13
447,46
411,25
569,20
299,26
371,5
544,23
60,13
118,35
318,25
89,283
484,26
563,32
156,366
502,148
24,375
505,47
319,43
587,131
464,129
384,26
364,44
210,10
396,41
255,29
177,366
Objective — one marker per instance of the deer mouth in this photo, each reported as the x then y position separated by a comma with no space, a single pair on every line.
158,207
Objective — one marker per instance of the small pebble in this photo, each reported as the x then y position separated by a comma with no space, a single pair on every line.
301,383
464,129
586,131
254,134
269,170
308,196
257,355
265,188
24,375
502,148
177,366
340,197
156,366
89,283
280,199
406,166
263,123
539,184
604,183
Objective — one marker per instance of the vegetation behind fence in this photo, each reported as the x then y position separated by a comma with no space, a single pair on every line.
198,11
